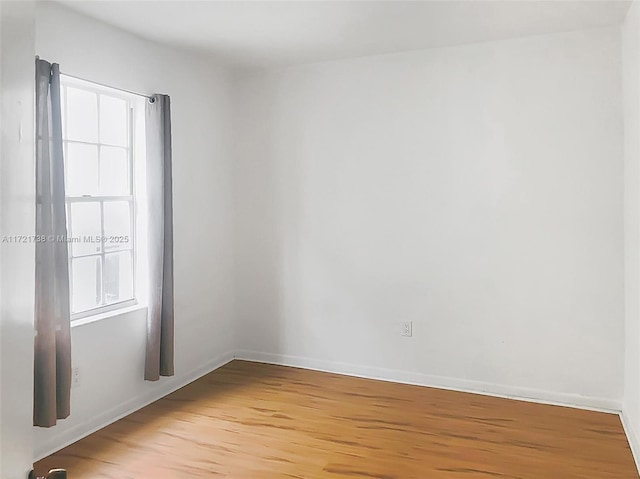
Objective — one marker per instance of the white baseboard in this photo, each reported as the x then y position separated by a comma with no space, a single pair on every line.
124,409
634,443
440,382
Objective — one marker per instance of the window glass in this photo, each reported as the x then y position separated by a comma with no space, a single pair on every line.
86,280
114,171
117,225
82,169
118,276
85,228
82,115
113,121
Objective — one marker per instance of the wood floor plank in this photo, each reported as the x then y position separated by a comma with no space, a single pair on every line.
257,421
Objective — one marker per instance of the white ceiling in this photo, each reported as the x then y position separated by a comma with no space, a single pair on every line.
281,33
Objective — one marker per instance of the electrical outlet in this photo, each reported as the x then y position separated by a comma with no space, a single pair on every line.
407,329
75,377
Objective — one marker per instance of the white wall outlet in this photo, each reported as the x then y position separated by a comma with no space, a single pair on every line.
406,328
75,377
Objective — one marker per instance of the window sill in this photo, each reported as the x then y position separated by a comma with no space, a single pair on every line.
106,315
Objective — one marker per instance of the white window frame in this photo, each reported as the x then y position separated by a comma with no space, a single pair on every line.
97,89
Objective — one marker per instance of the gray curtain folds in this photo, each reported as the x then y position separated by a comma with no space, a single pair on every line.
52,366
160,328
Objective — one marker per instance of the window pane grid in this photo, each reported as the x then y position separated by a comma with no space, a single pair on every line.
104,269
104,239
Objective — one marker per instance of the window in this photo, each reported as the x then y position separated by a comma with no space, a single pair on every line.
100,193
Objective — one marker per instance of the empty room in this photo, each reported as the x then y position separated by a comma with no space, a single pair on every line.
320,239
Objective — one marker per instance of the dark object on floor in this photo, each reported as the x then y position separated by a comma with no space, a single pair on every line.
57,474
53,474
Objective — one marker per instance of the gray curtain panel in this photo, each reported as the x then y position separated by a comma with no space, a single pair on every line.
159,357
52,373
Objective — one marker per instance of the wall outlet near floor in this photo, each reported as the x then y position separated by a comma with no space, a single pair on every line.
406,328
75,377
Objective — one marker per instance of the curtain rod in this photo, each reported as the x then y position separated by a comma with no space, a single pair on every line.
150,98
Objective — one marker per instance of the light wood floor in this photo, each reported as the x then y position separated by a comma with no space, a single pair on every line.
255,421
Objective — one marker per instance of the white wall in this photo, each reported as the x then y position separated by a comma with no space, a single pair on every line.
110,353
474,190
631,95
17,217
